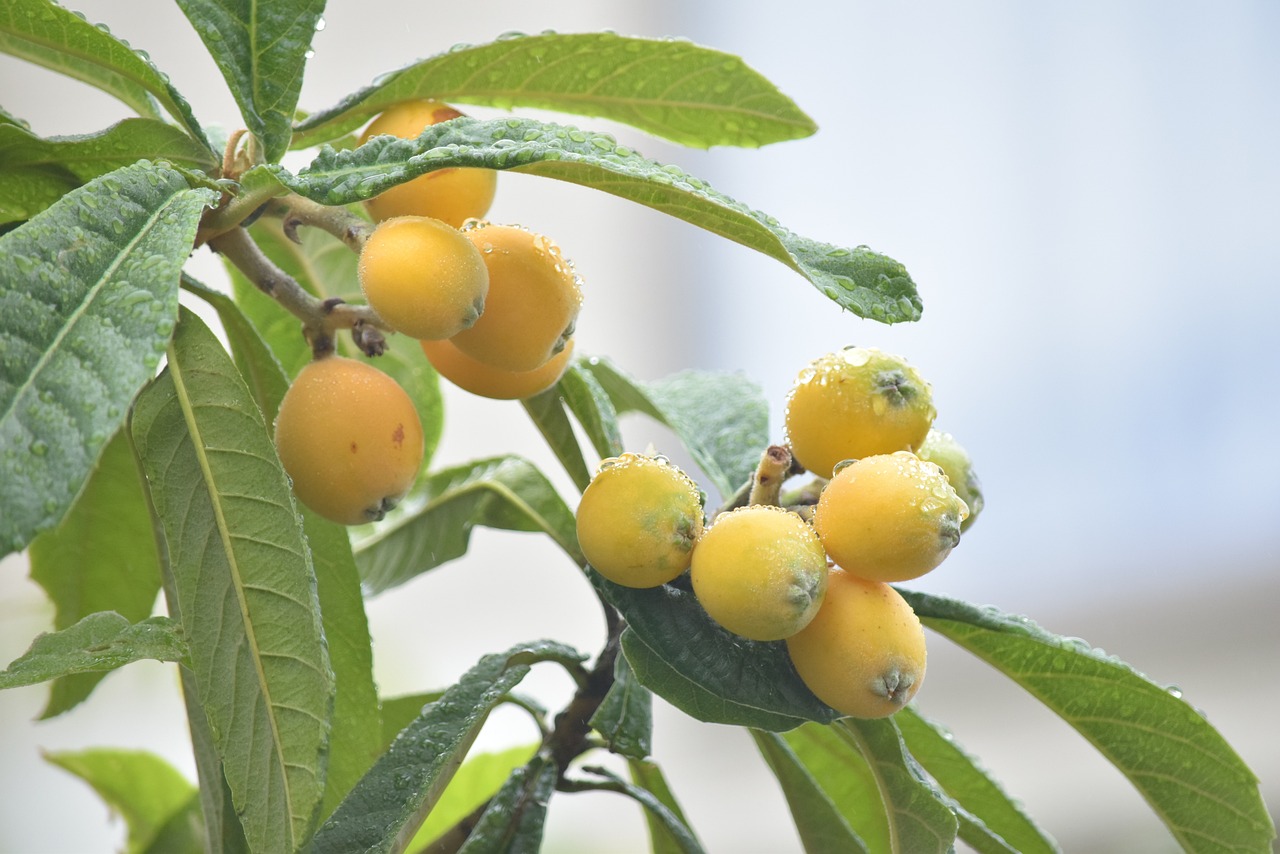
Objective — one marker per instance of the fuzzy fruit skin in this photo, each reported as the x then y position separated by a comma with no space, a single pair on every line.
946,453
854,403
487,381
350,439
451,195
864,652
423,277
638,520
889,517
533,300
760,572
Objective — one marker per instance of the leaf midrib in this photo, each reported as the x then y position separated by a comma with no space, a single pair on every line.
224,534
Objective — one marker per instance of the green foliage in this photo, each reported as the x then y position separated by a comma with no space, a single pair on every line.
99,642
261,49
152,797
244,583
859,280
88,295
125,479
43,32
668,87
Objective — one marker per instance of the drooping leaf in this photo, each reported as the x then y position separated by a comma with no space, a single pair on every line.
88,294
99,642
94,154
648,776
513,821
261,49
1184,768
722,419
670,88
864,282
245,585
820,824
145,790
960,777
45,33
709,673
547,411
677,831
586,398
475,782
101,557
433,525
845,778
625,718
386,806
920,821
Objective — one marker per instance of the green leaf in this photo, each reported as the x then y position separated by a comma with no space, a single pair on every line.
43,32
183,833
435,526
88,293
101,557
27,190
709,673
262,51
548,414
99,642
384,809
821,826
670,88
864,282
258,365
95,154
677,832
513,821
961,778
722,419
223,831
625,717
355,741
648,776
398,712
845,778
143,788
919,819
591,405
245,585
1185,769
478,780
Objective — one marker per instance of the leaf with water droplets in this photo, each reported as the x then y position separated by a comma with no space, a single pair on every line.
670,88
866,283
244,585
101,641
262,50
386,806
90,155
1186,770
88,295
45,33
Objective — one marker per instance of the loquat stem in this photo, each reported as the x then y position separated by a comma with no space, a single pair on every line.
335,220
321,319
774,468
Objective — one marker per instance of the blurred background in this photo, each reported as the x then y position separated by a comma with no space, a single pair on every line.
1088,196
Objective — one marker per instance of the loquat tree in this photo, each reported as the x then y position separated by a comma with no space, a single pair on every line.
263,489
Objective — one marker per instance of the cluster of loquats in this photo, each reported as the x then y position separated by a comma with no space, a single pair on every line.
812,568
493,306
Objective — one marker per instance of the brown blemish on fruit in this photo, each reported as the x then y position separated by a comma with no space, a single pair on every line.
354,447
397,437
